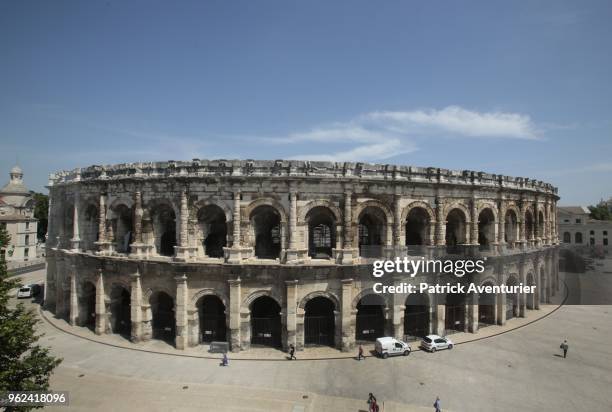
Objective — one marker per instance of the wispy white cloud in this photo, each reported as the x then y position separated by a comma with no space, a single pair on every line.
601,167
384,134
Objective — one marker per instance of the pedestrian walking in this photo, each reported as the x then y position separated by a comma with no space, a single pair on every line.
225,360
372,403
565,347
360,353
438,405
292,352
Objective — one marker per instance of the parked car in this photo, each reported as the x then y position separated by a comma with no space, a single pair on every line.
432,343
24,292
390,346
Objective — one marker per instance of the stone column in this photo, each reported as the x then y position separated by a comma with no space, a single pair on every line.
536,224
501,239
397,222
440,316
138,249
440,223
292,252
74,302
501,308
291,312
135,307
182,334
181,252
102,219
234,314
472,313
100,327
234,254
76,240
348,321
473,240
348,253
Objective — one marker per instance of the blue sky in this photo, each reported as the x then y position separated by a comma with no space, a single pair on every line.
520,88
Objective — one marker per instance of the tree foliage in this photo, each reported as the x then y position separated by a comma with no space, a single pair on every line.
41,211
600,212
24,365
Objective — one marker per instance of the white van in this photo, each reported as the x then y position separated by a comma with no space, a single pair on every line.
390,346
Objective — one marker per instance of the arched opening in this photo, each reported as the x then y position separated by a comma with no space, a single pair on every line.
120,311
122,227
266,223
416,316
370,322
486,308
164,321
510,228
321,232
455,312
529,225
531,296
319,324
265,322
372,223
87,305
211,313
164,229
89,227
578,237
567,237
417,227
213,230
486,229
512,306
455,230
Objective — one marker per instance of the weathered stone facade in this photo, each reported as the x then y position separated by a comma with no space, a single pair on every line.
278,252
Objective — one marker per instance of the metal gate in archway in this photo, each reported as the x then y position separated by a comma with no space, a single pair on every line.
212,328
266,331
319,330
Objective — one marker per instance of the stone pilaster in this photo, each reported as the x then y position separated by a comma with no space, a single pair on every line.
135,308
397,221
237,252
440,222
348,253
138,249
183,251
74,299
76,240
291,312
293,254
440,315
182,334
105,234
234,314
348,321
501,308
100,327
473,240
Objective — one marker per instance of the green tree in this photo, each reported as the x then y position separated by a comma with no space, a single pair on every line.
24,365
600,212
41,211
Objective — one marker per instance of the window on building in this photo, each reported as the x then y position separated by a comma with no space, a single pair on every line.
567,237
27,225
605,242
578,220
578,237
3,225
592,232
27,239
605,233
566,220
592,241
26,252
3,253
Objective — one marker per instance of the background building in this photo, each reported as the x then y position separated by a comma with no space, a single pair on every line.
17,216
577,228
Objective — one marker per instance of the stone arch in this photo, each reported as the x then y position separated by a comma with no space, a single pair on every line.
246,303
156,202
365,292
118,282
303,211
146,296
118,201
488,205
317,294
377,204
200,204
489,279
422,204
206,292
460,206
264,201
567,237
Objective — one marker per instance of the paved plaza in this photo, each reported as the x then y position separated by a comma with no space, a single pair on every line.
517,370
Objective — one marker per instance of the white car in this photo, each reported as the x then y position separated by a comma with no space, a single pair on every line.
390,346
432,343
24,292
